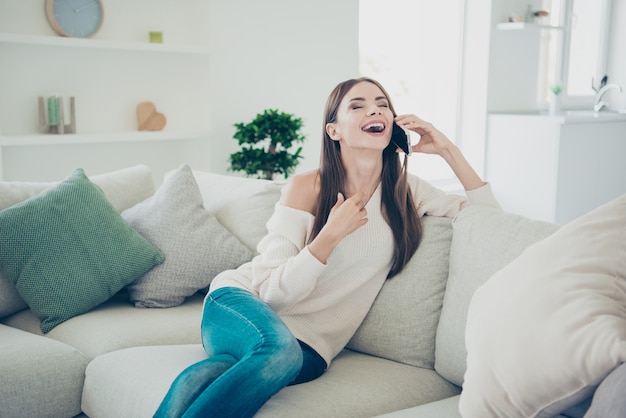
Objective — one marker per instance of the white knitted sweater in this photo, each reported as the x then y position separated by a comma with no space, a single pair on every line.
324,304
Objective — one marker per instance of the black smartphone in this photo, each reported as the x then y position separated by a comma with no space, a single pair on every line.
401,139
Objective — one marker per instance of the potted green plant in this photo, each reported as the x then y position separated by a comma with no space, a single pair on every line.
266,144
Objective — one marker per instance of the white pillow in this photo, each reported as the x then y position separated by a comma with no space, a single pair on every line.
242,204
545,330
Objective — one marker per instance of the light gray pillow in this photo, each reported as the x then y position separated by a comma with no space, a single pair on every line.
402,322
484,240
196,246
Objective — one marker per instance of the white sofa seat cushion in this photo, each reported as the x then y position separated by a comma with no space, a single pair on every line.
117,324
445,408
40,377
133,382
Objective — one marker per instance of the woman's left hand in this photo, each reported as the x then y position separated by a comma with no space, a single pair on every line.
432,141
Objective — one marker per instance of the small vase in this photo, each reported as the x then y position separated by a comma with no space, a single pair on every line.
554,105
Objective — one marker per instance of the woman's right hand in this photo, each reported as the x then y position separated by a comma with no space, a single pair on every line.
346,216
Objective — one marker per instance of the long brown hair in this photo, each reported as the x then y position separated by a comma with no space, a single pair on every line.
397,203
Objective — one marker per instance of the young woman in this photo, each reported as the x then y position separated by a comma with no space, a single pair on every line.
335,236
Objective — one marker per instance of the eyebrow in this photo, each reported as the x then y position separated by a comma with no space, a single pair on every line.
362,99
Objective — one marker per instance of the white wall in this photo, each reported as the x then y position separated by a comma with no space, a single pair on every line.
105,100
289,54
277,54
273,54
474,82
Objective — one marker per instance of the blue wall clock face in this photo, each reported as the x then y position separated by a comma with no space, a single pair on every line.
75,18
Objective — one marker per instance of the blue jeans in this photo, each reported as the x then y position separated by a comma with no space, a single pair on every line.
252,356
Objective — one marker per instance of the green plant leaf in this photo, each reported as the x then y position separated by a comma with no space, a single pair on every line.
265,144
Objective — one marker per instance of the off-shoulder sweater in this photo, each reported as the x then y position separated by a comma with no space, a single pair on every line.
324,304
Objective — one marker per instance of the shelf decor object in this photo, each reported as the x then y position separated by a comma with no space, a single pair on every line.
53,118
266,145
75,18
148,119
156,37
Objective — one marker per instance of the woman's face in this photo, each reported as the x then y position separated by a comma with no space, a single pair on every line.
364,119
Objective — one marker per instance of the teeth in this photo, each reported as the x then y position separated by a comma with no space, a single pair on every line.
374,127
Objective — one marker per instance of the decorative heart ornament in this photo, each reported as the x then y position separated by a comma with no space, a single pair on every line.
148,119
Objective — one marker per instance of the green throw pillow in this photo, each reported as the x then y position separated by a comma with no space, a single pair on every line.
68,250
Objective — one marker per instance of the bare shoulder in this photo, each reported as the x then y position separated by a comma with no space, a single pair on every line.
301,191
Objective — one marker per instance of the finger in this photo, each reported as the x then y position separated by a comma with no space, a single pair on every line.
340,200
409,121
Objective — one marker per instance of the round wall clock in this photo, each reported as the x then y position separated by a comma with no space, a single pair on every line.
75,18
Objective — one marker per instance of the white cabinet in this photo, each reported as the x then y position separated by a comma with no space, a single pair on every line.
108,76
556,168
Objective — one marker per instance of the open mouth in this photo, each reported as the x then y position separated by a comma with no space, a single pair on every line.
375,127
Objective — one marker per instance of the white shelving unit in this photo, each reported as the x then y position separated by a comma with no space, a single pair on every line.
158,65
57,41
105,138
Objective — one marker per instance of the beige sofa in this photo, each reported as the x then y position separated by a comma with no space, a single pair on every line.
118,360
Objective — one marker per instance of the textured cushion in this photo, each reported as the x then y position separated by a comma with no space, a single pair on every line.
402,322
68,250
243,205
483,241
123,188
40,377
545,330
196,246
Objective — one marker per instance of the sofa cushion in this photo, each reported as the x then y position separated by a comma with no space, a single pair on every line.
196,246
68,250
548,327
402,323
40,377
483,241
243,205
123,188
117,324
448,408
445,408
133,383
